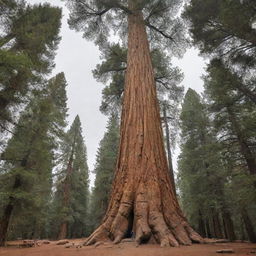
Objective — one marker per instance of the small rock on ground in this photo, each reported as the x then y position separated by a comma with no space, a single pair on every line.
225,251
62,242
70,245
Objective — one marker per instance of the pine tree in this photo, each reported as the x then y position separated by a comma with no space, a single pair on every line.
29,37
224,28
71,197
234,117
29,159
200,163
142,197
104,170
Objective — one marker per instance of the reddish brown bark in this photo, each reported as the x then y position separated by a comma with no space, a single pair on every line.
66,197
142,193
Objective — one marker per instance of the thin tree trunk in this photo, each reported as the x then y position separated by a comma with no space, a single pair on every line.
242,231
66,196
63,230
228,225
142,193
5,223
216,225
248,226
5,220
201,224
169,153
208,229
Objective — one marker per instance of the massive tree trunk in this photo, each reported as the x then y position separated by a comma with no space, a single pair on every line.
142,198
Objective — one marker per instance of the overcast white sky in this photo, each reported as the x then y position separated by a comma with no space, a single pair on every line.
77,57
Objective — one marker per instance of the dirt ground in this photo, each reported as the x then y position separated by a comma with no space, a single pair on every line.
129,249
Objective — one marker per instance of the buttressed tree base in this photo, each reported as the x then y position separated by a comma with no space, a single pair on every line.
142,199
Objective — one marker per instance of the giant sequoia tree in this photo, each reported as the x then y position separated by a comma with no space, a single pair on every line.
142,197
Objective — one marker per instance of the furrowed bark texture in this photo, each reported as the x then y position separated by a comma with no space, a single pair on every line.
142,198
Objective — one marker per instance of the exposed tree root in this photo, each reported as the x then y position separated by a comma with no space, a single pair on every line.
149,222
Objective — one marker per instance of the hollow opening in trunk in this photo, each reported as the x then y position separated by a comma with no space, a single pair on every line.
130,232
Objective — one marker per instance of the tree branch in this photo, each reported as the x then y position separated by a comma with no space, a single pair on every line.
114,69
159,31
6,129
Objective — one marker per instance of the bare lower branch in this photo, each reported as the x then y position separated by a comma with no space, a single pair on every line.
159,31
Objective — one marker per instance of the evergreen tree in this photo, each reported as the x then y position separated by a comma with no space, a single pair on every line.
234,114
28,161
29,37
234,117
71,197
200,163
141,164
104,170
224,28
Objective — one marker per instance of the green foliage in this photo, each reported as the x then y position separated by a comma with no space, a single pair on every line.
26,176
224,28
199,161
97,19
28,40
218,152
104,171
72,183
234,117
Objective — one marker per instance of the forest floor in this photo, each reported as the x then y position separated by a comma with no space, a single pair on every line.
128,249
